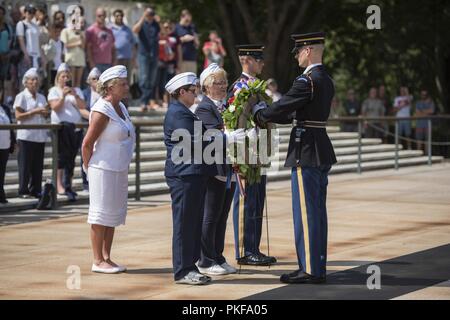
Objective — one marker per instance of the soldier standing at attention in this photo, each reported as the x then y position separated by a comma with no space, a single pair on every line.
252,61
310,155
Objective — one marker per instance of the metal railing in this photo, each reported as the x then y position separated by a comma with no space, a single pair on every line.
53,128
389,119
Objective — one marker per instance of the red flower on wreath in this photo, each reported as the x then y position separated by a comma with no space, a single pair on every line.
231,100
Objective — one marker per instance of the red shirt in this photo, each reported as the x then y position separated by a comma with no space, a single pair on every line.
168,49
102,42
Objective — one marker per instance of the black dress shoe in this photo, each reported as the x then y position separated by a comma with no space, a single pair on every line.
272,259
69,190
300,276
36,195
254,260
71,196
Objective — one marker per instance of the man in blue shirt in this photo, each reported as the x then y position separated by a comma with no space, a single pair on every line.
147,31
125,42
186,34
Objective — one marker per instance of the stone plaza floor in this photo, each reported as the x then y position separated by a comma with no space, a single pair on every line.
397,221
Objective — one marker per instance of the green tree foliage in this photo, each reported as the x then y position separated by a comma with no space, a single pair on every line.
412,47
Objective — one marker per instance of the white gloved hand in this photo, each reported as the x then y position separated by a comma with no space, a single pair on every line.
237,136
252,134
259,106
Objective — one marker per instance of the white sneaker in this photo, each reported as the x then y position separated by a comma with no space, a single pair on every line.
229,268
194,278
122,268
213,270
98,269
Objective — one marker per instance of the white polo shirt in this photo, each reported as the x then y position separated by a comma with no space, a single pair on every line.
69,112
26,102
5,135
30,31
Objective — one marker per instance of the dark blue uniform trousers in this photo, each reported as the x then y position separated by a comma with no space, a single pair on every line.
188,198
217,205
253,216
309,193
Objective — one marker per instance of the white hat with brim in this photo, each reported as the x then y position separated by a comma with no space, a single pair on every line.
30,74
113,73
212,68
94,73
181,80
63,67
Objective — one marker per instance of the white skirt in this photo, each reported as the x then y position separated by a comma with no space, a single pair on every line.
108,197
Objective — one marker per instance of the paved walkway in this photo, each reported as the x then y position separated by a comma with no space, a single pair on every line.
399,221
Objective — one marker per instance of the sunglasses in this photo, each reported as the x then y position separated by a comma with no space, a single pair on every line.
191,90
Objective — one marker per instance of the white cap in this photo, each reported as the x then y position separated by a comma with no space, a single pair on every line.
31,73
94,73
181,80
212,68
63,67
113,73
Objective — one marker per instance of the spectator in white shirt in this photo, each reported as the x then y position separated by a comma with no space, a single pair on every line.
402,105
31,108
272,90
55,37
68,107
90,93
7,144
28,36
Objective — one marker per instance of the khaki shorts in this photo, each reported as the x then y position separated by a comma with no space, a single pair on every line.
188,66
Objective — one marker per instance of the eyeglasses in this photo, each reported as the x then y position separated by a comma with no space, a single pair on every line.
119,16
220,83
101,15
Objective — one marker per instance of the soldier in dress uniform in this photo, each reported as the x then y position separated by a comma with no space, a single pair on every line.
310,155
252,61
186,179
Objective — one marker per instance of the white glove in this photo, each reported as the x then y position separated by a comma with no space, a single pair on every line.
259,106
237,136
252,134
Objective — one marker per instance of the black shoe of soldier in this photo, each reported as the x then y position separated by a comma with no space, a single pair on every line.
301,277
273,260
254,260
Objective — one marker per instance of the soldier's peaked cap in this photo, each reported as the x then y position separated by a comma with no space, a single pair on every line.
307,39
253,50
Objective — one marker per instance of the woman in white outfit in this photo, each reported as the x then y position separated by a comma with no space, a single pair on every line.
107,151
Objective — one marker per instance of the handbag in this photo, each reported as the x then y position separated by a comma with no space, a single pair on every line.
47,197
